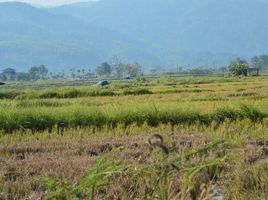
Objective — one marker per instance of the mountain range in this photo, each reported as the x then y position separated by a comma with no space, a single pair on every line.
163,33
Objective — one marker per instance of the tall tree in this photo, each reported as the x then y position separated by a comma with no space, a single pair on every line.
133,70
263,61
22,76
38,72
238,61
9,74
118,67
239,69
104,69
255,62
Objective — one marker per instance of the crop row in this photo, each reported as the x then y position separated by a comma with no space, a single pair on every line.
38,119
69,93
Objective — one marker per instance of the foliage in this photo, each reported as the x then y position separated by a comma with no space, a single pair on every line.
127,70
239,70
38,72
104,70
259,62
200,71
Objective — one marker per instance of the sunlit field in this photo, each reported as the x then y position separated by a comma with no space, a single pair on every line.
148,138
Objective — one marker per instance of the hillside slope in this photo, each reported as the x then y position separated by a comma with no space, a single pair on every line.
31,36
151,32
230,27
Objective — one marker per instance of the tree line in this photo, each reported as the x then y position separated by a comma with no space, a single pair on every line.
119,69
237,67
33,74
241,67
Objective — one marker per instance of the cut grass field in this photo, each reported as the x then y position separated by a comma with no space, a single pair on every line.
67,140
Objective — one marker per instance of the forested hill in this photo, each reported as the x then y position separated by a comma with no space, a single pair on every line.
31,36
151,32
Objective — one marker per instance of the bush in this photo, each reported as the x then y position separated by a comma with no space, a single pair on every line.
239,70
9,94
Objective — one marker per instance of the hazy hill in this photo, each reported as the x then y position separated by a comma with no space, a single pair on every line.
190,23
209,27
152,32
31,36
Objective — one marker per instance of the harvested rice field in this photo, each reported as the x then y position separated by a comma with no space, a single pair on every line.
162,138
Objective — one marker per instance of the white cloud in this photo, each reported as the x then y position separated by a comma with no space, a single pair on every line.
49,2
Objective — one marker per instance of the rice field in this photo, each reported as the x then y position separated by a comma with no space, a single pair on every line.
155,138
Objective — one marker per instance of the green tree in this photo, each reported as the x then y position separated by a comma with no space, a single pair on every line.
73,75
239,69
133,70
22,76
3,77
9,74
255,65
255,62
79,73
38,72
263,59
43,71
118,67
238,61
104,69
259,62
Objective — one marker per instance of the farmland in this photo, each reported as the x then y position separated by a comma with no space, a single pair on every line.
148,138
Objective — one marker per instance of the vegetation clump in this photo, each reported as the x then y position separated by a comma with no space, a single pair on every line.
141,91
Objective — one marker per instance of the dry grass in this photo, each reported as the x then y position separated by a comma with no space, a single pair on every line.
197,161
173,154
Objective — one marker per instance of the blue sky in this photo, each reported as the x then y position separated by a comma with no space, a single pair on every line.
48,2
